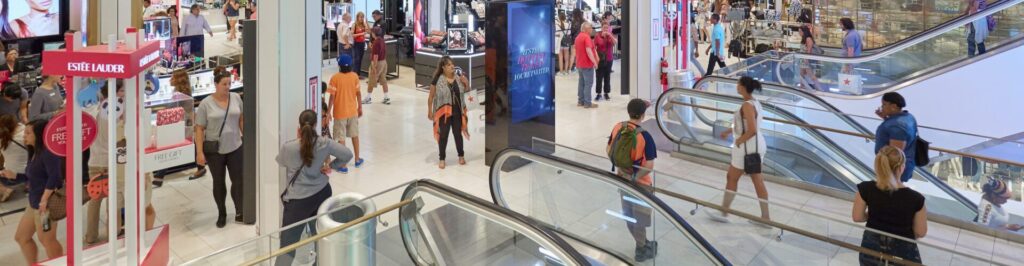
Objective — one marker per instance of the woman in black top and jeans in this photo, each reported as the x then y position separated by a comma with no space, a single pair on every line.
894,209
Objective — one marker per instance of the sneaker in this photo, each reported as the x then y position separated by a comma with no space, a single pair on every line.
386,101
360,162
716,215
598,98
343,170
367,100
760,224
606,98
646,252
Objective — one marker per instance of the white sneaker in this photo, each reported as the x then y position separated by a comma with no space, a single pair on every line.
716,215
760,224
367,100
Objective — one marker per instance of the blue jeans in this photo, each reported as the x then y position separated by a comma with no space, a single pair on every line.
342,50
888,245
585,83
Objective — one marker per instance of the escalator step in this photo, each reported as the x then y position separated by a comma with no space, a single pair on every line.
808,174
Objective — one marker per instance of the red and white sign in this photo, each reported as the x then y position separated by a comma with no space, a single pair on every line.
98,62
55,134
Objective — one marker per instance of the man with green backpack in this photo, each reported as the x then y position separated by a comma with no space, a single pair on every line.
630,146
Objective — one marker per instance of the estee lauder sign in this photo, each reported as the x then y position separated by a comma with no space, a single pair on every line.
96,61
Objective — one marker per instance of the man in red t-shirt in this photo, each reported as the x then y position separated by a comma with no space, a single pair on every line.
586,61
378,66
604,41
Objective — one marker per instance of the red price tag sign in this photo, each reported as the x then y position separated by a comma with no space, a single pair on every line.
56,137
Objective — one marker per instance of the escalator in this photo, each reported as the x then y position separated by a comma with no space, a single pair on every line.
440,225
578,199
817,148
925,55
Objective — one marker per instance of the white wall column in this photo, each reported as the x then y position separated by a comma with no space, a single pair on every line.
115,16
646,31
291,58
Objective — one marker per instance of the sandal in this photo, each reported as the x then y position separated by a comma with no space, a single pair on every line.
462,161
440,165
6,195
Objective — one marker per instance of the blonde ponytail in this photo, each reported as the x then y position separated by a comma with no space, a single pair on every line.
888,163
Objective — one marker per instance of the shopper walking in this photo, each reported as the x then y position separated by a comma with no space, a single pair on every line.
889,206
360,32
98,165
172,14
345,108
990,210
586,61
378,67
304,160
14,101
231,11
899,129
605,43
977,31
15,156
716,51
345,40
194,23
48,99
446,106
632,151
219,124
852,43
748,150
45,179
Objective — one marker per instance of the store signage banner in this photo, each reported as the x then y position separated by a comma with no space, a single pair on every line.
55,134
96,61
530,44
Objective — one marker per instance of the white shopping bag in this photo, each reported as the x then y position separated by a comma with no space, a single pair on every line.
850,83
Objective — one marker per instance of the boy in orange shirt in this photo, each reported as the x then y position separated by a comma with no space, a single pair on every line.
345,107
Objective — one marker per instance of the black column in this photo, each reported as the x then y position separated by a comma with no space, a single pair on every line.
249,60
626,47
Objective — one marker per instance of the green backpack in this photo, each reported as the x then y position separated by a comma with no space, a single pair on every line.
621,150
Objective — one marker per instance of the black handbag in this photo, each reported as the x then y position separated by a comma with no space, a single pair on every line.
751,161
213,146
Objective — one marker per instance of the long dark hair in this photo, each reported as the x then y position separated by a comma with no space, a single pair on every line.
307,136
6,32
577,19
445,60
38,127
8,125
750,84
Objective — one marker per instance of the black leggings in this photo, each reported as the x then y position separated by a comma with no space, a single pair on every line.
604,78
295,211
452,124
232,162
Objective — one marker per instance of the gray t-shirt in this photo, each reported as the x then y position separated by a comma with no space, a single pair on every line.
211,116
45,103
310,180
13,106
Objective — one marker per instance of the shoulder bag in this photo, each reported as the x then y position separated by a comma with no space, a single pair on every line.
213,146
751,161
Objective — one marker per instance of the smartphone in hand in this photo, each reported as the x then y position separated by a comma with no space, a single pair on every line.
45,219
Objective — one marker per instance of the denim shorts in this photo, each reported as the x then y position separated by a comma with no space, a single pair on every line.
888,245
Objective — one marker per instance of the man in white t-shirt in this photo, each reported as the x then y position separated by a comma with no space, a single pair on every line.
345,38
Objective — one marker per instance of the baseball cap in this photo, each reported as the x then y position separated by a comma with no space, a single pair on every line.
637,107
345,60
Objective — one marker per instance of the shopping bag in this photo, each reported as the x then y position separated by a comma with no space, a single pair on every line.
850,83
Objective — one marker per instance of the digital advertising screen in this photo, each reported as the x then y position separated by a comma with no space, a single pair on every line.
156,29
29,18
182,52
530,44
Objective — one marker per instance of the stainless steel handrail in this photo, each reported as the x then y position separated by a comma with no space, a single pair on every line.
891,49
512,220
643,196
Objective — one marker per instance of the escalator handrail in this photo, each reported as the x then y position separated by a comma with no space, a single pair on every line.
643,195
815,131
925,174
529,227
914,40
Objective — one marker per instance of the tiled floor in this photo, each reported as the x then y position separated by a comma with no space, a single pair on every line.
398,147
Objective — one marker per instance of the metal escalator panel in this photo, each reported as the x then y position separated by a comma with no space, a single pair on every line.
693,119
604,211
894,67
444,226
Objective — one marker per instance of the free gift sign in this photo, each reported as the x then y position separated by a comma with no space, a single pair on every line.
98,62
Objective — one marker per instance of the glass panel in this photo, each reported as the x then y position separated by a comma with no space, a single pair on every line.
596,213
743,242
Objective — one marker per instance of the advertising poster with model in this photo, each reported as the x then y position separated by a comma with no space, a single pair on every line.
29,18
457,39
